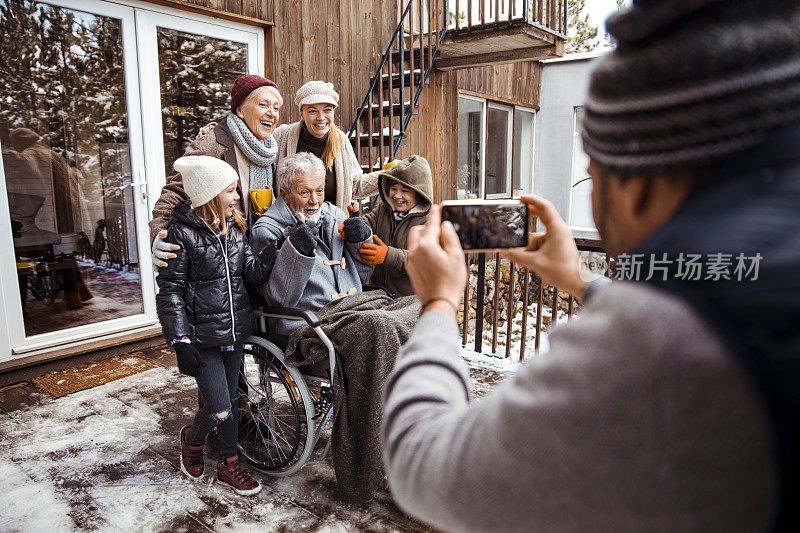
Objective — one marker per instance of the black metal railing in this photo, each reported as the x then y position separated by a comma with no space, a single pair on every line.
381,123
471,15
507,302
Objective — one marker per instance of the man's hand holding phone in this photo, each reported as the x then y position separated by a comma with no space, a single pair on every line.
552,253
436,264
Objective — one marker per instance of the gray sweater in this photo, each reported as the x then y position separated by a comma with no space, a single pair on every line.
637,419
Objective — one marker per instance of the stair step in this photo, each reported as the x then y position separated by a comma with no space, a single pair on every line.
393,109
388,137
376,166
406,79
407,55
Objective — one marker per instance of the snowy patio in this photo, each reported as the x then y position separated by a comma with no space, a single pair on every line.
106,459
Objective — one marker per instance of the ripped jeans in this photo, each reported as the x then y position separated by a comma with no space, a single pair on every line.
218,386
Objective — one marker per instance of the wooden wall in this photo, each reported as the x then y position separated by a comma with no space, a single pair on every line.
340,41
433,133
241,10
512,83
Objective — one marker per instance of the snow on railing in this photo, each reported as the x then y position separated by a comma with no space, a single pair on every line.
476,14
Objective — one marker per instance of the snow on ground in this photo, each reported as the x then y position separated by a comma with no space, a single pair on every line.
92,461
106,459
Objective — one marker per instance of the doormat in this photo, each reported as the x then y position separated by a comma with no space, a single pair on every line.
63,382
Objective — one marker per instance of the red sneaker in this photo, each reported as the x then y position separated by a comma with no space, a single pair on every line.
234,476
191,456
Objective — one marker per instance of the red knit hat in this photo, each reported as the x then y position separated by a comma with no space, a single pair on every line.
246,84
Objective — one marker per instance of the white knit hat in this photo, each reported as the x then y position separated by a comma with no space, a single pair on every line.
316,92
204,177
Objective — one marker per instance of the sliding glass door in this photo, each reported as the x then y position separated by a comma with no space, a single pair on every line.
97,100
70,133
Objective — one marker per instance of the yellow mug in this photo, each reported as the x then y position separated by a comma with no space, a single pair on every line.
260,200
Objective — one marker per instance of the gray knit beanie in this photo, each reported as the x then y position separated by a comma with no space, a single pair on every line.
692,82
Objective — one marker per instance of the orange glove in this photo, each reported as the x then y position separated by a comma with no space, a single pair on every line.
374,254
350,208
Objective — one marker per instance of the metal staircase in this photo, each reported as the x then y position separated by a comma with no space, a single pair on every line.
381,122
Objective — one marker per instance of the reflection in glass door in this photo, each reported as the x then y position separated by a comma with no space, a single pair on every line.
470,147
67,163
187,70
196,73
498,142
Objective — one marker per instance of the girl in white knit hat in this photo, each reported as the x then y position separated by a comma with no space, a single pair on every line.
317,133
204,308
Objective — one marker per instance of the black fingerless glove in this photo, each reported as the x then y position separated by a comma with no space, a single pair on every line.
304,238
356,230
189,362
267,256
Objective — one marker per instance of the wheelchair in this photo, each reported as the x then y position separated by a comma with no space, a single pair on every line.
283,410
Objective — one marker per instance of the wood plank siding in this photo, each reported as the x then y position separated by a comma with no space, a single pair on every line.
433,133
256,12
340,41
512,83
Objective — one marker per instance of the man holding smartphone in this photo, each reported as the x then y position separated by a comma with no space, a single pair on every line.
672,403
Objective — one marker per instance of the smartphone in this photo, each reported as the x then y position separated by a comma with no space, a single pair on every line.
487,225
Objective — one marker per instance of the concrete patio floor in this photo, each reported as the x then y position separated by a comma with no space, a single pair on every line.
106,459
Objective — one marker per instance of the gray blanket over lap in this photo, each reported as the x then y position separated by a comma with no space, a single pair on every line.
367,330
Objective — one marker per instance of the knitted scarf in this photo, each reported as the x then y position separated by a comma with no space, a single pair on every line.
260,153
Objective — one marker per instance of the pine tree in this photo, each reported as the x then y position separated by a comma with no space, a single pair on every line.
582,36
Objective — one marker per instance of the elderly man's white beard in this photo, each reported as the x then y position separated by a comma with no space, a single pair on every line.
312,218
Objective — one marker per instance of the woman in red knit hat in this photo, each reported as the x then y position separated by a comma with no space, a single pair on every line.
243,139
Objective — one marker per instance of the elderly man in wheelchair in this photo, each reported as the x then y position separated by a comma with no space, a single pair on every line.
325,346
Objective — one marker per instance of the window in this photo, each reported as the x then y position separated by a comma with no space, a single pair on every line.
580,210
470,147
522,182
498,151
495,149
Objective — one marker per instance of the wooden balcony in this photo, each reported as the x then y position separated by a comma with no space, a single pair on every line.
487,32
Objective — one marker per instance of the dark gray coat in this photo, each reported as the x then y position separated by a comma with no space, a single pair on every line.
202,293
307,282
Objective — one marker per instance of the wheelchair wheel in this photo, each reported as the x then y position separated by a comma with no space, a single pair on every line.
276,426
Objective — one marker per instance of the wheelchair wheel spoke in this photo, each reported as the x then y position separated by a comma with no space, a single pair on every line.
274,431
